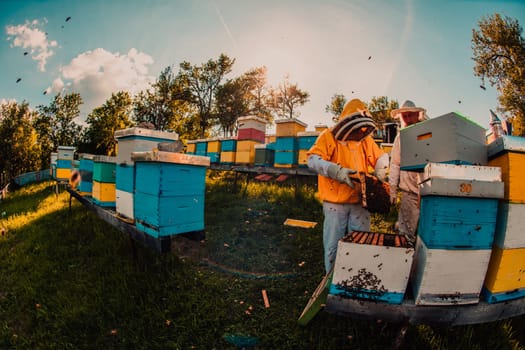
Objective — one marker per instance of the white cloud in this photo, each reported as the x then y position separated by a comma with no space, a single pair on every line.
30,37
99,73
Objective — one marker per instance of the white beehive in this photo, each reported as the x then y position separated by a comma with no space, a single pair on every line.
373,266
448,277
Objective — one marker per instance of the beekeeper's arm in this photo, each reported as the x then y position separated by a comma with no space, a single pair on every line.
330,169
393,178
382,166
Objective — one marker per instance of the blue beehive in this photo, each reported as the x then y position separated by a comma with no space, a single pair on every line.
169,192
86,174
459,206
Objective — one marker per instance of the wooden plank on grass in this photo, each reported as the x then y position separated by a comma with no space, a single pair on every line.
317,300
300,223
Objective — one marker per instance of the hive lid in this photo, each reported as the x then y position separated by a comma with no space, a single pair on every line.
506,143
170,157
308,133
289,120
104,159
461,172
66,148
136,131
251,117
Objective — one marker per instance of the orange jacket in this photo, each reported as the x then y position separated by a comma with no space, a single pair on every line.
357,155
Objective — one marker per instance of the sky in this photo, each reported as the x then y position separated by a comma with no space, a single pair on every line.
404,49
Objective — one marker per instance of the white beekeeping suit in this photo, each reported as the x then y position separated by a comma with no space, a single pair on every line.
406,182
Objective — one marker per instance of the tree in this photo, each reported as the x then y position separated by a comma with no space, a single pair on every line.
103,121
159,105
285,100
244,95
201,83
380,108
499,56
55,123
335,108
19,147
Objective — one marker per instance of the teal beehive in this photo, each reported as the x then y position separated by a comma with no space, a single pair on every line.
104,169
169,192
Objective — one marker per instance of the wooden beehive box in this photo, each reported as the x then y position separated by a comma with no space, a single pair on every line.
306,139
228,144
125,188
169,192
373,266
191,147
508,152
459,206
509,232
103,194
320,127
505,279
462,181
66,152
289,127
104,169
85,169
450,138
251,122
139,139
448,277
264,156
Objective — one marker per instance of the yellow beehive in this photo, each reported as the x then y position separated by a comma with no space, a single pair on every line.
320,127
104,192
270,138
506,271
278,165
227,157
63,173
289,127
302,158
245,157
387,147
246,145
512,166
190,147
214,145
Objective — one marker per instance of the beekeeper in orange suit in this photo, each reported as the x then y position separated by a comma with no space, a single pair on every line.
339,152
406,182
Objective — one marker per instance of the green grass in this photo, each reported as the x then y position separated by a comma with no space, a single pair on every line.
70,281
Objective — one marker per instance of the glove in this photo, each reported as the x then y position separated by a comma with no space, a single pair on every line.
393,195
341,174
381,167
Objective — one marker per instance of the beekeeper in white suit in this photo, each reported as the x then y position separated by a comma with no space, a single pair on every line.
338,153
405,182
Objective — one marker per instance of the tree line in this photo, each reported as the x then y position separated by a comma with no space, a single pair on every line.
198,101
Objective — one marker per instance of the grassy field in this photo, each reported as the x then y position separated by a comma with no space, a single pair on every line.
70,281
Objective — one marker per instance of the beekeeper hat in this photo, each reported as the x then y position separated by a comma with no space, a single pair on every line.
354,117
407,106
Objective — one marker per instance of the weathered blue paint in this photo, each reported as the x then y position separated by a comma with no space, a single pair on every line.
166,216
169,198
492,298
104,172
64,164
125,180
306,142
285,157
361,293
288,143
215,157
228,145
457,222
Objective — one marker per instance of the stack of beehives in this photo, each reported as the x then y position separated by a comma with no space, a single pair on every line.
286,146
505,278
459,198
